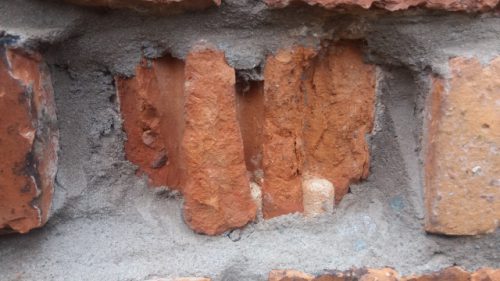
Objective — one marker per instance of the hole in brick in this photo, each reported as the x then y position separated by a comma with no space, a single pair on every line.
250,111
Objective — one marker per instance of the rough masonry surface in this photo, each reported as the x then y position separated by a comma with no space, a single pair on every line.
463,142
28,141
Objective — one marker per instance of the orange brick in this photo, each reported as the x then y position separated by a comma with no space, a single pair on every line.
28,142
217,192
462,164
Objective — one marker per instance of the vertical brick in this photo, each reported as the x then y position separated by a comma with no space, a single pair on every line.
152,107
339,114
318,110
28,141
217,191
462,165
283,124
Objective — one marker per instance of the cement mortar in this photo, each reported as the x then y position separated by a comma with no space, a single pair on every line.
108,225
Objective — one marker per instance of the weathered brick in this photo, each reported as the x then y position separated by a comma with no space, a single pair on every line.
217,191
307,121
183,132
384,274
395,5
289,275
486,274
388,274
152,107
28,141
339,114
318,110
155,6
181,279
283,128
448,274
462,165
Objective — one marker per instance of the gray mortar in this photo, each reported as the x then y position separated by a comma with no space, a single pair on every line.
108,225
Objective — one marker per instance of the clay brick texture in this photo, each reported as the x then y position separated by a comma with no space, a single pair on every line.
387,274
462,165
183,131
28,141
453,5
226,147
319,108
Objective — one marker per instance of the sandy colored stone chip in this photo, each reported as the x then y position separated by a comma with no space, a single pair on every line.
319,196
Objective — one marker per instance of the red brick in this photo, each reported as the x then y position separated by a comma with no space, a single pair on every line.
447,274
217,191
318,110
283,128
339,115
387,274
395,5
289,275
152,107
462,164
486,274
183,132
192,115
28,142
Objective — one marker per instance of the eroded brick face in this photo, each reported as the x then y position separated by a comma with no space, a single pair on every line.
319,107
339,115
183,132
152,106
154,6
289,275
28,142
232,149
283,153
462,166
387,274
217,191
394,5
